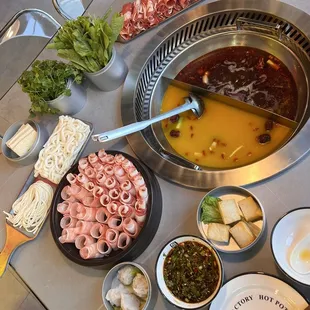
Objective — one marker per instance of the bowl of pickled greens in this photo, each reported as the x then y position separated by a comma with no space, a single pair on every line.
126,286
189,272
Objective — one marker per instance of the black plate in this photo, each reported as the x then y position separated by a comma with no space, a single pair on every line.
137,247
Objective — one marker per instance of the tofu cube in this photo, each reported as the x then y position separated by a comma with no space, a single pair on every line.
229,211
242,234
218,232
250,209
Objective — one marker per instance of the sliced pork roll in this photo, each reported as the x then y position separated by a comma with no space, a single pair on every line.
92,202
87,214
126,211
82,178
111,183
108,170
115,222
113,206
131,227
124,241
67,195
120,173
98,191
83,227
102,154
68,222
127,198
98,230
90,251
83,163
100,178
89,186
79,192
119,158
126,164
92,159
68,235
83,240
114,193
102,215
105,200
104,247
98,167
111,236
90,172
71,178
64,207
127,186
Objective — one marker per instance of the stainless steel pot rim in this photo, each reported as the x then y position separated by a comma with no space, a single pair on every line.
296,149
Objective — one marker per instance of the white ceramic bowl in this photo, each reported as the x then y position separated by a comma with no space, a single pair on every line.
160,274
286,234
111,281
237,193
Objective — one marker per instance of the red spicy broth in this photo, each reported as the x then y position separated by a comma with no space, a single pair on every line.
247,74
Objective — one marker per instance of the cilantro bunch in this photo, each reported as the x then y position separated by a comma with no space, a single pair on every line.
87,42
46,81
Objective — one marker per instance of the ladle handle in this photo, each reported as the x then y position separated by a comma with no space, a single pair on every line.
277,27
128,129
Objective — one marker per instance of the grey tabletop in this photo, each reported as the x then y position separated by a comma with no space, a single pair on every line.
60,283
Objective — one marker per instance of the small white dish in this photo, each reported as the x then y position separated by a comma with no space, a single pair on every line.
256,291
111,281
237,193
286,235
160,272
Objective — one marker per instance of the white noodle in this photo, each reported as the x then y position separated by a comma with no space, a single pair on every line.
61,149
30,209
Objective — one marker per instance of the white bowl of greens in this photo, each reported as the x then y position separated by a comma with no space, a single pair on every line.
231,218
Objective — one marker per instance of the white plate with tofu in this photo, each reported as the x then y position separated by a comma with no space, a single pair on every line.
232,218
256,291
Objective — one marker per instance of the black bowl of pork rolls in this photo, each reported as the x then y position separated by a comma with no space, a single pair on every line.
106,209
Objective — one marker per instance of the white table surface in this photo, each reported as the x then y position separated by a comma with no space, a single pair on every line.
61,284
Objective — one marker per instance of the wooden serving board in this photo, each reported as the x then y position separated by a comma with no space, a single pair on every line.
14,239
18,236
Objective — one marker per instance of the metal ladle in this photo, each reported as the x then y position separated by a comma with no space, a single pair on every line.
193,102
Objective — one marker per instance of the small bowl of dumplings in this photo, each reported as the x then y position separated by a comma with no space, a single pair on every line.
127,286
23,141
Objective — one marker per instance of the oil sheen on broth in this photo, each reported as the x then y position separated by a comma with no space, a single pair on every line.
224,137
247,74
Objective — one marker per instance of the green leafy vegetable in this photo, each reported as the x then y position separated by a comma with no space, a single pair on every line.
87,42
210,210
46,81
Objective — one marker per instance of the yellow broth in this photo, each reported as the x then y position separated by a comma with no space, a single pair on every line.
224,137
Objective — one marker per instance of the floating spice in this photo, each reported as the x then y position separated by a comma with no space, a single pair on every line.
175,133
264,138
269,125
175,118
